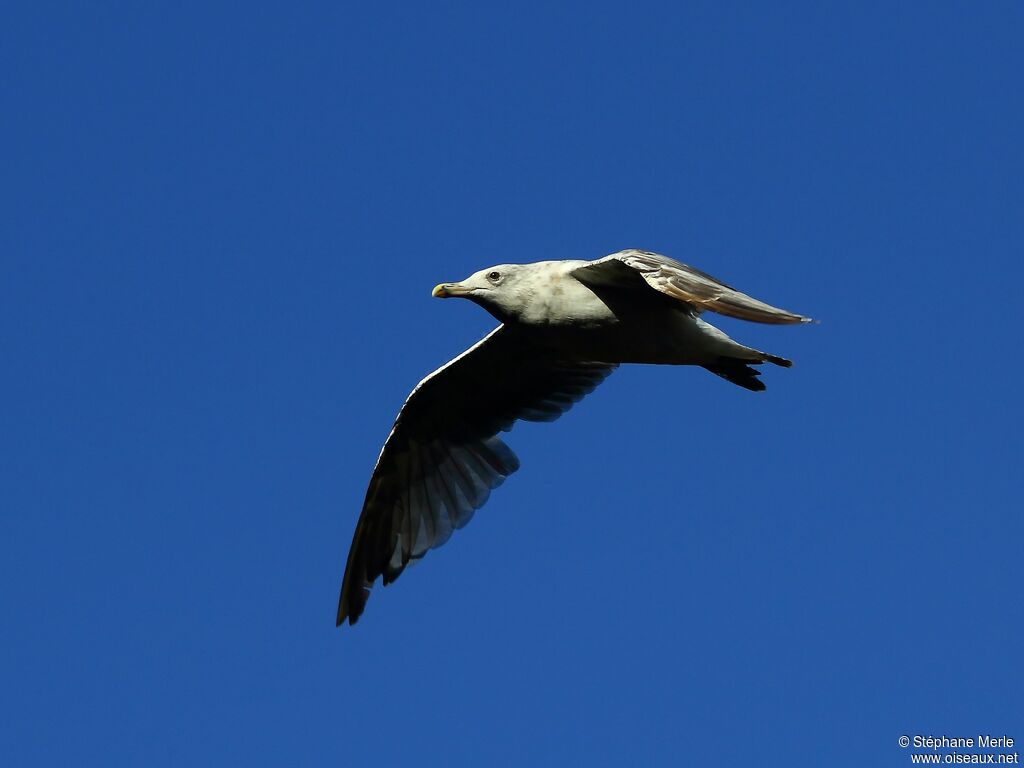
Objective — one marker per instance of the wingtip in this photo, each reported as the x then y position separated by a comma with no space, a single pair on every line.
344,610
345,616
782,362
351,605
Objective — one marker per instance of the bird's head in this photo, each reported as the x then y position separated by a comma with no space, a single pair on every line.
501,290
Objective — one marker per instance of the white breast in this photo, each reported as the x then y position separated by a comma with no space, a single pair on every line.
557,298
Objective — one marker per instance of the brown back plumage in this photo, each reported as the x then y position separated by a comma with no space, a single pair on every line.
683,283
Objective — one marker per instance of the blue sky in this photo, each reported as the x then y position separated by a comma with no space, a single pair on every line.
221,227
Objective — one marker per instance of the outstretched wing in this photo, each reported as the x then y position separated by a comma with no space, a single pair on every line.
628,268
442,458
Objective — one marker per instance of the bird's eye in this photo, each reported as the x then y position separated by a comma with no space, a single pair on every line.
494,276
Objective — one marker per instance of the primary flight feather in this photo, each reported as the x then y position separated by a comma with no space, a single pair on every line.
566,325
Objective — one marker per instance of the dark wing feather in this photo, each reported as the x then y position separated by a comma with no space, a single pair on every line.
443,456
633,269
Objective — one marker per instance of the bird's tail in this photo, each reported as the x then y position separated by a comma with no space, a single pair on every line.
740,371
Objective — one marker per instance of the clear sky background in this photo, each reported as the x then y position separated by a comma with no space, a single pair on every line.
220,227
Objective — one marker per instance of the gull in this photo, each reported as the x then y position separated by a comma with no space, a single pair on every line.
565,326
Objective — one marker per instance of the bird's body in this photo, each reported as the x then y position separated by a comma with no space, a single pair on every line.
565,326
591,319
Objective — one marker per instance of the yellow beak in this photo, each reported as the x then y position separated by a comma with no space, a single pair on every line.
447,290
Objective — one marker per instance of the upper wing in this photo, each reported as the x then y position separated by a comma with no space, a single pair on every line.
442,457
681,282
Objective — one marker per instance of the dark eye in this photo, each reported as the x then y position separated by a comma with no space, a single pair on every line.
494,276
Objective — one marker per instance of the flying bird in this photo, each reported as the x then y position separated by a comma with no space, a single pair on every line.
565,326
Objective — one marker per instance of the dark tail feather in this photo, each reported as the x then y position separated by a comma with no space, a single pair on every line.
741,373
738,372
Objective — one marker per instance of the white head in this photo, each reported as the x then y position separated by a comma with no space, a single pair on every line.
504,290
